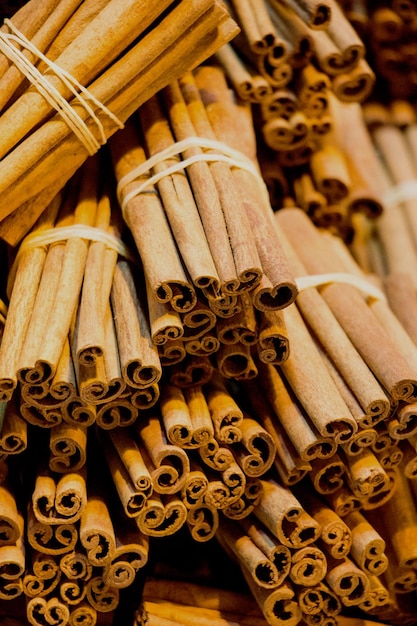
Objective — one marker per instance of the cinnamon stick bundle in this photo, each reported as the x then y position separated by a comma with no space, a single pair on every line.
215,28
399,383
224,118
22,298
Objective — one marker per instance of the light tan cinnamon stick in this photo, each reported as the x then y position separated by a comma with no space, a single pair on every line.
248,555
215,456
279,605
52,608
43,577
278,554
130,555
14,437
38,360
100,596
224,410
10,522
246,503
272,344
308,566
321,389
255,453
335,534
59,502
367,544
138,356
161,518
75,564
327,474
348,581
165,323
50,539
241,326
302,433
205,345
285,517
97,532
202,521
145,398
132,498
290,466
68,446
171,463
207,197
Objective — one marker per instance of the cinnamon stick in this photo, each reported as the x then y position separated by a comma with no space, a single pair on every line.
283,514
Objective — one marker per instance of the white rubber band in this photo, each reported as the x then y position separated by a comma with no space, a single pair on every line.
51,94
223,153
62,233
318,280
407,190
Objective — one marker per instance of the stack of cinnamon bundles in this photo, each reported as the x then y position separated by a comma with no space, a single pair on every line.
208,316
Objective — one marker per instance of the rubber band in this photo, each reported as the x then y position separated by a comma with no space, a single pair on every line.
407,190
224,153
319,280
63,233
51,94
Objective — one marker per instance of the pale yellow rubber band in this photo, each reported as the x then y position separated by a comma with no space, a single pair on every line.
224,153
51,94
319,280
63,233
407,190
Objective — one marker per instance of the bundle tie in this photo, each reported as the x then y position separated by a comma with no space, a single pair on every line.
223,153
319,280
48,236
51,94
406,190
